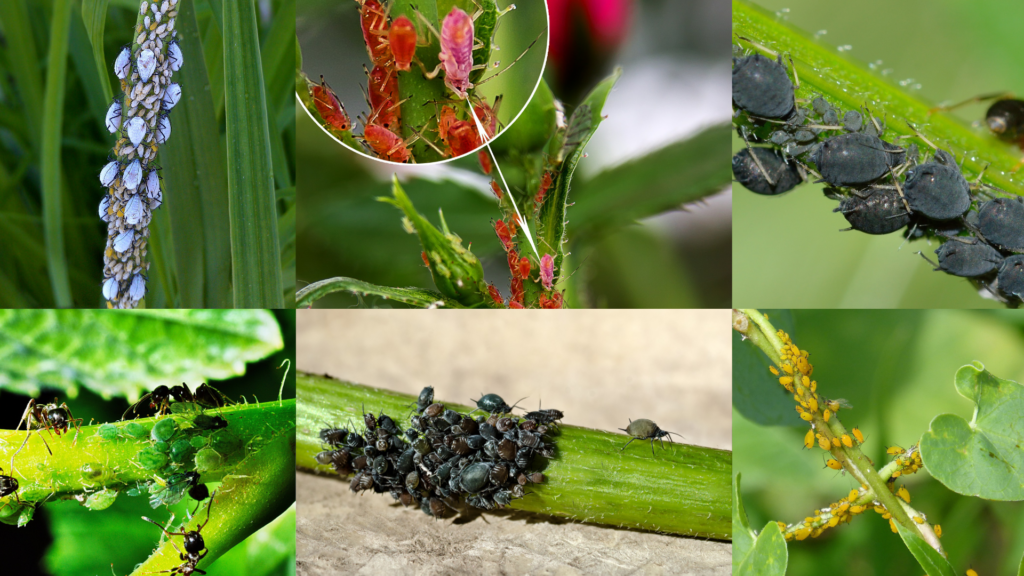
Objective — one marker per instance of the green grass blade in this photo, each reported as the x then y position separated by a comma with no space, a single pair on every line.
411,296
679,173
24,64
683,489
92,77
196,181
52,171
255,252
94,14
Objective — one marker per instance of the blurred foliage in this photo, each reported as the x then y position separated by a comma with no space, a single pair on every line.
189,250
897,370
83,541
952,51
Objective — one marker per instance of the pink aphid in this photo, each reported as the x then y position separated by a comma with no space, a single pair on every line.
457,51
547,271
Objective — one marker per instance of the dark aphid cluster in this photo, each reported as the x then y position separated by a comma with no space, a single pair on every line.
881,187
444,456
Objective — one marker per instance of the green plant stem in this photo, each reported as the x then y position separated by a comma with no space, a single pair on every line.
682,489
852,458
823,72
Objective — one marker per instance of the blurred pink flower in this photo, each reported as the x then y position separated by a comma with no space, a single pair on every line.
585,34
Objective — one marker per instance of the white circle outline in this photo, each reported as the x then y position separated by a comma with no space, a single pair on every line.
540,78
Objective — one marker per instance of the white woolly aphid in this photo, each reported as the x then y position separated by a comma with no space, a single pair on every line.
138,288
110,288
133,175
171,96
153,185
163,130
123,62
109,173
133,210
124,240
113,119
105,209
146,63
174,57
136,128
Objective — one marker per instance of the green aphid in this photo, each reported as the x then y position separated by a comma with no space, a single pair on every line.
171,490
136,430
164,430
152,459
108,432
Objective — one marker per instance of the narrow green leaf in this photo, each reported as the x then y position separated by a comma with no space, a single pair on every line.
742,536
196,181
768,557
94,15
411,296
280,83
255,252
65,349
551,221
52,170
679,173
929,558
981,458
24,64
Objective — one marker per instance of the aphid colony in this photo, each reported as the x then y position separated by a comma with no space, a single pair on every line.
794,374
142,124
392,44
444,456
881,187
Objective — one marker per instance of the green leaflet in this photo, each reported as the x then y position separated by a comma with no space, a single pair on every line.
411,296
981,458
929,558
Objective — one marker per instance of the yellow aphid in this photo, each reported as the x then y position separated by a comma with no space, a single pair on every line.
836,442
903,493
799,409
786,380
787,368
847,441
827,414
853,495
782,526
806,381
833,464
893,526
896,474
842,508
857,434
879,509
938,531
806,416
894,450
814,386
886,515
823,442
857,509
773,370
833,521
809,439
813,405
971,572
918,519
803,533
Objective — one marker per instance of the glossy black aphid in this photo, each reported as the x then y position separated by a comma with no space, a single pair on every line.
333,436
761,87
937,189
1011,276
425,399
8,486
855,159
644,429
493,404
784,174
879,211
1001,222
195,547
967,259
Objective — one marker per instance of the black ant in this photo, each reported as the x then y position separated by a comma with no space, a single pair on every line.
8,486
52,417
161,396
195,548
1005,117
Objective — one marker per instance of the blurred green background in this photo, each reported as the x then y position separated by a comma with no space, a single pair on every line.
896,368
65,538
674,84
944,51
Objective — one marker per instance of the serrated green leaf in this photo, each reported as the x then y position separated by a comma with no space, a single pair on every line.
981,458
65,349
255,250
768,557
411,296
677,174
929,558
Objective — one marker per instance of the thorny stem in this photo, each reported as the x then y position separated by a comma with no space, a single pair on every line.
757,328
682,489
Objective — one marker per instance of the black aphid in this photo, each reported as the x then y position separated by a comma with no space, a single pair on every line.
1011,277
967,259
8,486
493,404
881,211
644,429
761,87
937,189
855,159
333,436
770,174
1001,222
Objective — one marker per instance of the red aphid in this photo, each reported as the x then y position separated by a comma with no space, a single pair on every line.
504,234
383,94
553,303
462,138
517,292
426,261
513,263
524,267
512,304
496,189
488,116
387,144
329,107
547,271
402,38
495,295
545,183
445,120
456,54
374,23
485,161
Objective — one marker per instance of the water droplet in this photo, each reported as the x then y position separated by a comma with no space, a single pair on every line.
887,71
875,65
820,33
845,48
906,82
782,14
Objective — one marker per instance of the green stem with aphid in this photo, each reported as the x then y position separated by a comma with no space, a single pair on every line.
253,461
682,489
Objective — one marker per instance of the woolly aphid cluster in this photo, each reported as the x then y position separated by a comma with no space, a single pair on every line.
881,187
141,123
444,456
794,374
